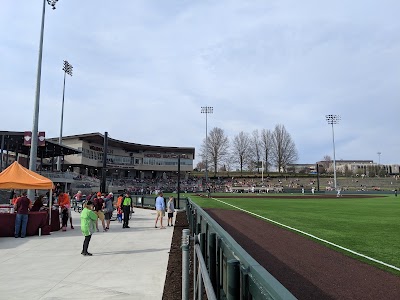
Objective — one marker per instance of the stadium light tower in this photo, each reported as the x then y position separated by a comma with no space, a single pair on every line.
333,119
67,68
35,127
207,110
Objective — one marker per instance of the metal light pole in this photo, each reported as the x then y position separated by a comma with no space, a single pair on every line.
207,110
333,119
34,140
379,158
67,68
179,181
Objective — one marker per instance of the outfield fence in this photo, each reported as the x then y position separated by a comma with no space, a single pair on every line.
231,271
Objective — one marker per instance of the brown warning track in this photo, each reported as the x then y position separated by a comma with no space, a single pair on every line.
307,269
288,196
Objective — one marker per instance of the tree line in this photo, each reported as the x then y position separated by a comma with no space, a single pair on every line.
248,151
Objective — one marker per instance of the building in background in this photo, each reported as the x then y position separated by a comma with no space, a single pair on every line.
347,168
125,159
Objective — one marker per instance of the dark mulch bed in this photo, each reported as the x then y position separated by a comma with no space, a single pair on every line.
173,280
307,269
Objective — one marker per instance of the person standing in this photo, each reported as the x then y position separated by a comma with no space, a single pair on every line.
65,202
14,199
160,208
98,204
126,205
170,210
119,208
77,199
88,217
108,209
22,206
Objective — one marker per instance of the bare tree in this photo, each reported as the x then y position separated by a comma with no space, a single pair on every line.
326,163
228,162
200,166
241,147
218,147
255,150
283,148
266,147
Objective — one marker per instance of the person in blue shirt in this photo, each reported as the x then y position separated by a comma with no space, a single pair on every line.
160,208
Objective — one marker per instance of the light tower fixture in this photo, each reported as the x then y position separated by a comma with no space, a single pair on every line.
333,119
207,110
52,3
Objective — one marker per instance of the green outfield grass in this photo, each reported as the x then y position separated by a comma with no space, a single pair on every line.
370,226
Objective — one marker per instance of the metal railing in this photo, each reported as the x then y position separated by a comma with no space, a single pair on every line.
201,277
149,201
232,272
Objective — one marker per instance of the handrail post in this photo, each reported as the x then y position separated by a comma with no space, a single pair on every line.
244,283
212,261
196,241
185,264
233,279
203,243
219,267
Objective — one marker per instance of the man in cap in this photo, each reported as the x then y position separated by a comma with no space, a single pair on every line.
126,205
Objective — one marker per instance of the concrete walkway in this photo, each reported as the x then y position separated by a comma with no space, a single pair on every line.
126,263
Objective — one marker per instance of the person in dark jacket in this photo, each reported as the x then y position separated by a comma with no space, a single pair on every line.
126,205
38,205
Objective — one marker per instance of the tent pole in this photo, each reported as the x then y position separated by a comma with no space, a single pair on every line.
50,204
2,148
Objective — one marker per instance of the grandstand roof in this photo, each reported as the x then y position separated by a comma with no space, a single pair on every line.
98,138
14,142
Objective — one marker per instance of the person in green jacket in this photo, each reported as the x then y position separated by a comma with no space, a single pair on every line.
88,219
126,205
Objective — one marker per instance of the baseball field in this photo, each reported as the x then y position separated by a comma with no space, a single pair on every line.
367,228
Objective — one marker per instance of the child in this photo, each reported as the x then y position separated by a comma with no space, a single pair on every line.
170,210
64,218
88,219
119,209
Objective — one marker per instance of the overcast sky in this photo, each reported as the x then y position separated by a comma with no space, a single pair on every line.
143,70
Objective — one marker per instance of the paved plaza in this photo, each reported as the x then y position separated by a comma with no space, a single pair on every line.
126,263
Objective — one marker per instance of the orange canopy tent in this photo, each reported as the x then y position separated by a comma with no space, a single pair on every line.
19,177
